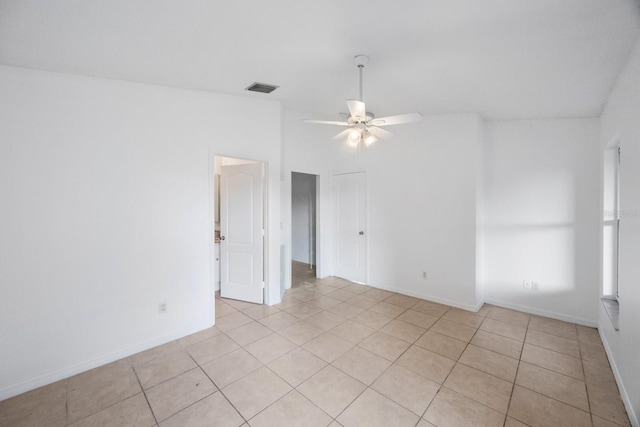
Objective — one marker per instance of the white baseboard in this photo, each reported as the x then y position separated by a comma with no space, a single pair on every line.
46,379
616,374
544,313
504,304
432,298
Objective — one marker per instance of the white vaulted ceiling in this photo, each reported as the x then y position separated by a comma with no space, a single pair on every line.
504,59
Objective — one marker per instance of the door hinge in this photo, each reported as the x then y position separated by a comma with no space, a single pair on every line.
262,285
263,233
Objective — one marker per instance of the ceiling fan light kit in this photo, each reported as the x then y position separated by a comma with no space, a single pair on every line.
362,126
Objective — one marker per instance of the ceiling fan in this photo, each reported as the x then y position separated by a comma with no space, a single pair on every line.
362,125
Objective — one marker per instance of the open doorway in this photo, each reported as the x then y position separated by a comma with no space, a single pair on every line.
304,206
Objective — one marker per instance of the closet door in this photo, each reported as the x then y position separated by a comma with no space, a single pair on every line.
349,222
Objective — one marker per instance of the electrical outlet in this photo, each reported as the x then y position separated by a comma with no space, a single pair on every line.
162,307
424,275
526,285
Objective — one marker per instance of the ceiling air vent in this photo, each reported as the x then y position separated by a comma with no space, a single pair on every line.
262,87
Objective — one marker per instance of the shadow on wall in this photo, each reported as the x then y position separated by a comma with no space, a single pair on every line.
531,239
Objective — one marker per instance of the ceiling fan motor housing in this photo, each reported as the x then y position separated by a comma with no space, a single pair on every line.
357,120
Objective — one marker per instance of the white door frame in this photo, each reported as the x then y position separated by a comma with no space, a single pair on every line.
213,170
318,246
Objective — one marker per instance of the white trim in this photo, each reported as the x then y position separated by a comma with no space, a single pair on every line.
544,313
319,229
49,378
211,236
268,293
616,374
503,304
427,297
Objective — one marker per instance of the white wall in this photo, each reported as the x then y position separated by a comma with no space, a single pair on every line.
621,117
105,191
480,208
307,149
421,203
303,207
541,216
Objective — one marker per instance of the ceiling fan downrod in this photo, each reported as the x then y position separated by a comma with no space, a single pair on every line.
360,67
361,61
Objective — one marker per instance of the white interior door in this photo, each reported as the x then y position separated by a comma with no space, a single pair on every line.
349,221
241,232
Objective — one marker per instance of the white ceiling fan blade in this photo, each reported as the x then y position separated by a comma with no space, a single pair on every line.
325,122
343,134
379,132
397,120
356,108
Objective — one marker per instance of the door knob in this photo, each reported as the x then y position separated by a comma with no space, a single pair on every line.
221,237
361,233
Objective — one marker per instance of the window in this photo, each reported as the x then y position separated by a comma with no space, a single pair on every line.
611,232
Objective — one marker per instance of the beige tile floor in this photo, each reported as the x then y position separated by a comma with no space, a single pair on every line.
336,353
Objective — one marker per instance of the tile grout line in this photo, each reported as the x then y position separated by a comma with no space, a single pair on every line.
144,393
561,374
197,366
421,417
328,363
275,373
354,346
586,388
457,361
295,388
411,344
66,401
68,422
515,378
216,385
